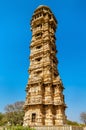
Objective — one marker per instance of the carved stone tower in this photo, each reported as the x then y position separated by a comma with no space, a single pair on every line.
44,103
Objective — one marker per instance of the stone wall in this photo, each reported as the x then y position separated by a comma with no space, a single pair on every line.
84,128
59,128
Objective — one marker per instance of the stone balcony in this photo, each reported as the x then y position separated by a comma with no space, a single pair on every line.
38,29
47,80
35,42
41,51
35,100
58,102
35,80
34,52
39,65
35,20
56,80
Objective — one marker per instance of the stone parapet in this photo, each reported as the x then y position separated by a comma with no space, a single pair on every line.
59,128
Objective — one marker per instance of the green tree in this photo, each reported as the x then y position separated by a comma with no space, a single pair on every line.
83,117
14,113
72,123
1,116
3,119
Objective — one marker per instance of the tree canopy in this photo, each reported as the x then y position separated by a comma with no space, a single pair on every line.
83,117
13,114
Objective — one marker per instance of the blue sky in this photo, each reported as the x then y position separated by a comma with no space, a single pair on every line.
15,36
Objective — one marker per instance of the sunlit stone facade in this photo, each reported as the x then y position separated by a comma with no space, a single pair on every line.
44,103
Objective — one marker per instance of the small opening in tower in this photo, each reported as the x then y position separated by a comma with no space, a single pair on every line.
44,14
49,16
39,72
40,14
53,49
33,117
54,61
38,59
55,75
39,25
54,85
38,47
38,35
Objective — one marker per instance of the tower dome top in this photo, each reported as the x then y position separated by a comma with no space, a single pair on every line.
40,6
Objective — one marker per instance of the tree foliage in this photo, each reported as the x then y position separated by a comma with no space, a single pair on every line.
74,123
3,119
83,117
17,106
1,116
13,114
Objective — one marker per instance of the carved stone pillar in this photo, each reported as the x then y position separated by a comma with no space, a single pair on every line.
48,115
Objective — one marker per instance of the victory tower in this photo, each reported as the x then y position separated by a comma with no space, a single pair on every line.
44,103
